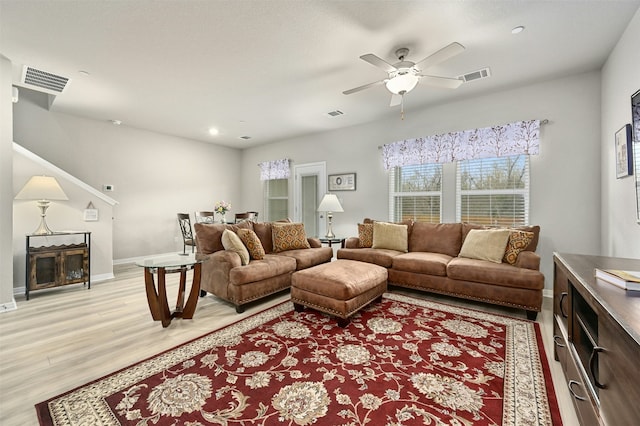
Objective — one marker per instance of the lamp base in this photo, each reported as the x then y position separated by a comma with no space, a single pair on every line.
330,233
43,229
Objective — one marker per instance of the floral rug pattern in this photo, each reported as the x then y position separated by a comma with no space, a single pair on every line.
402,361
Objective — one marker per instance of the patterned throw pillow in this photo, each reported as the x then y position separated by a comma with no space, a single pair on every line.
518,241
252,243
365,235
289,236
231,242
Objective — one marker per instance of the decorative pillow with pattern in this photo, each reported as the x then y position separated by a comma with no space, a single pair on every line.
252,243
518,241
231,242
289,236
365,235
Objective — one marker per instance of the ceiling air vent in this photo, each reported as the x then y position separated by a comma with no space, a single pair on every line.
245,137
335,113
476,75
44,80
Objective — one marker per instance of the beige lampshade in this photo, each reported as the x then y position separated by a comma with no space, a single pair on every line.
42,188
330,203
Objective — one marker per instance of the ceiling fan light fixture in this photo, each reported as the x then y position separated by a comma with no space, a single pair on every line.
402,83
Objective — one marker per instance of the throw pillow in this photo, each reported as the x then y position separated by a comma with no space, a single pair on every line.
252,243
485,244
518,241
231,242
365,235
390,236
289,236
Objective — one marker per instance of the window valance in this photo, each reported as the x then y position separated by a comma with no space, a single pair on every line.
521,137
276,169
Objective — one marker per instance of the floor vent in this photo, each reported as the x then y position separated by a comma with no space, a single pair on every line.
44,80
476,75
335,113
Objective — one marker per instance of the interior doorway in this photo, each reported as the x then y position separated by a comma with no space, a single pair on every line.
310,184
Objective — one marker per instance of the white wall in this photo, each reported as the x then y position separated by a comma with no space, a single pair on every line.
620,79
565,188
155,176
6,187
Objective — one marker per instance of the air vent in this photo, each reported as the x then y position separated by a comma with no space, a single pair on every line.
245,137
44,80
335,113
476,75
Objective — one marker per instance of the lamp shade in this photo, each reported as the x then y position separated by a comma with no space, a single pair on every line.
42,188
330,203
402,83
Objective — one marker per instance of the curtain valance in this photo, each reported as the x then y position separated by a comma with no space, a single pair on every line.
521,137
276,169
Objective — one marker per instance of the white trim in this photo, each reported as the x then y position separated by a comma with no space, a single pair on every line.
7,307
57,170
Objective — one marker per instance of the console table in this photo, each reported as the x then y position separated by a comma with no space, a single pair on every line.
157,298
58,265
597,339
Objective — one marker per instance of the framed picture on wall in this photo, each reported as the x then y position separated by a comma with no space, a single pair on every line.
635,120
624,156
342,182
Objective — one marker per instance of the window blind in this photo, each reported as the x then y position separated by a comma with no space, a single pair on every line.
415,193
276,194
493,191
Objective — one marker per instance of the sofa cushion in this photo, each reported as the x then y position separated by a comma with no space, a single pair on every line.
365,235
289,236
209,235
252,243
390,236
501,274
264,232
485,244
466,227
518,241
422,263
258,270
306,258
381,257
445,238
231,242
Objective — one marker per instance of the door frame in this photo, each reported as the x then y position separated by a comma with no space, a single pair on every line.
318,169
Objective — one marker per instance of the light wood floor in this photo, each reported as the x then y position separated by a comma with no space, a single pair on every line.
65,337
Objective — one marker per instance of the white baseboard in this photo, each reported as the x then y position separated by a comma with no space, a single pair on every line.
139,258
9,306
547,292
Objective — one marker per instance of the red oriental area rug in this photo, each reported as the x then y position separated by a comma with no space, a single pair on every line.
402,361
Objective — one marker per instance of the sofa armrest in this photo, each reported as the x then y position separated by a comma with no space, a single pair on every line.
528,260
352,242
314,242
215,272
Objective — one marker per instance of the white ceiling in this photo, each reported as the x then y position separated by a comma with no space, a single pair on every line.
272,69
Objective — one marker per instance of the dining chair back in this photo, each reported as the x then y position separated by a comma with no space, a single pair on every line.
187,233
204,217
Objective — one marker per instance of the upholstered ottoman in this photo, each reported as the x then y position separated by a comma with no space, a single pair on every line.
339,288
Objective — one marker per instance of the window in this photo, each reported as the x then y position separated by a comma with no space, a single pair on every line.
276,195
415,193
493,191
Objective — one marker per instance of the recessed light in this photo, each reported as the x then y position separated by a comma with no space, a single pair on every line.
82,72
517,30
116,122
213,131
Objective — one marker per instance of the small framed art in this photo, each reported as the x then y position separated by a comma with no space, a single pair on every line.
342,182
624,156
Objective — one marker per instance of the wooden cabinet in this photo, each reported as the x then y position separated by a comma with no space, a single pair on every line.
58,265
597,339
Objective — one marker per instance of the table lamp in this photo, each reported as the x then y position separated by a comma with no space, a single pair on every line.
330,204
43,189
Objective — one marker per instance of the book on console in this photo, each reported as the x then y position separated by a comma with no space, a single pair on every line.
629,280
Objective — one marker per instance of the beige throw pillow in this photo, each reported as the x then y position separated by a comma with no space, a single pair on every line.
231,242
390,236
289,236
485,244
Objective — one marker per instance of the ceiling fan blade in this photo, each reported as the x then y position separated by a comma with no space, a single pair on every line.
378,62
366,86
444,82
440,56
395,100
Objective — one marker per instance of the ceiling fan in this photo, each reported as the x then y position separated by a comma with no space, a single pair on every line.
405,75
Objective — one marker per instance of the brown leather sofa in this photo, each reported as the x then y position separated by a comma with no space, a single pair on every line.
224,275
432,264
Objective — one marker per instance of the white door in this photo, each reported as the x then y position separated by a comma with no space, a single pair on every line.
310,184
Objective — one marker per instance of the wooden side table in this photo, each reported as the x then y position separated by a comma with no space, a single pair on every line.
157,298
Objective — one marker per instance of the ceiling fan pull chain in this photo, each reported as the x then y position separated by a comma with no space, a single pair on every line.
402,107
